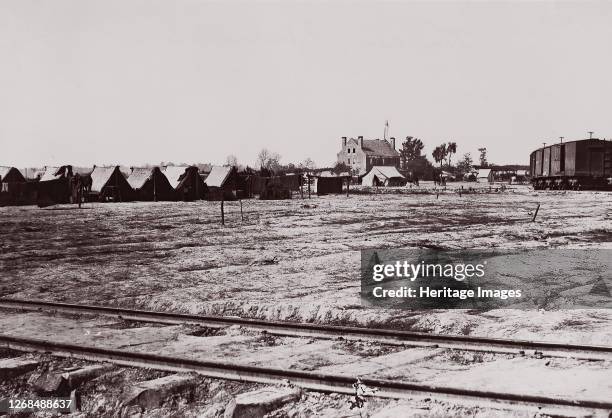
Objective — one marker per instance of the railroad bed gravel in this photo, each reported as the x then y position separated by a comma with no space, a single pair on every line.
429,366
112,394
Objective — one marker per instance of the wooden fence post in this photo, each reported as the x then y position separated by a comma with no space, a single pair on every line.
222,212
241,216
536,213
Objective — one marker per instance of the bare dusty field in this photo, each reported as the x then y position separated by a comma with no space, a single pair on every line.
296,259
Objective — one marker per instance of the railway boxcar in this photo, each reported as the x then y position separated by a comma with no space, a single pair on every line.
582,164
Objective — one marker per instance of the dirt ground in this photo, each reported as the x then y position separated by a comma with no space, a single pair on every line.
295,259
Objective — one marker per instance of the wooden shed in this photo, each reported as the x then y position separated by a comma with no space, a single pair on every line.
275,188
13,187
329,185
54,185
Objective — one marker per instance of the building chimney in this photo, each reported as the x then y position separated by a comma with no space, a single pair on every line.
360,138
343,141
393,142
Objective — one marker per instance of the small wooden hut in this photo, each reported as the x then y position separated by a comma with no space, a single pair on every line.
186,182
150,184
109,184
329,185
13,187
54,186
223,182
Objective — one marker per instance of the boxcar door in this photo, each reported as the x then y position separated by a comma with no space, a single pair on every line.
596,162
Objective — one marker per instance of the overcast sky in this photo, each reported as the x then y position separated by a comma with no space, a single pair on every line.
137,81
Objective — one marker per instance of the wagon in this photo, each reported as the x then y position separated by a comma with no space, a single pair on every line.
576,165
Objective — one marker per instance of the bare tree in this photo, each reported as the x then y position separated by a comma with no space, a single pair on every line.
231,161
268,160
263,157
308,164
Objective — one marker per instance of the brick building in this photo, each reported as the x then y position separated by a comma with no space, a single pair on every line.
363,154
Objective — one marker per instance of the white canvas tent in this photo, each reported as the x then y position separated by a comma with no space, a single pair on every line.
383,176
447,175
174,174
484,174
218,175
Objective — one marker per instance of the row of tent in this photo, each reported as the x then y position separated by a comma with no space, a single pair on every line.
66,184
54,185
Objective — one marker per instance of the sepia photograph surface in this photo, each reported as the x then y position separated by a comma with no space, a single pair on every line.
292,209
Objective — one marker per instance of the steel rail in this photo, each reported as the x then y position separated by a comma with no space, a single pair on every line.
321,382
282,328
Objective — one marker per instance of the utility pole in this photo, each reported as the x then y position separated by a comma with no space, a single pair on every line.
561,138
590,134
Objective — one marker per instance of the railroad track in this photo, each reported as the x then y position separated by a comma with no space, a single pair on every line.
279,328
309,380
321,382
